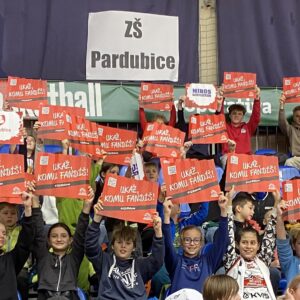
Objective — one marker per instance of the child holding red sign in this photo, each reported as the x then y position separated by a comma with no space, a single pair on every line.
292,132
288,248
121,276
190,269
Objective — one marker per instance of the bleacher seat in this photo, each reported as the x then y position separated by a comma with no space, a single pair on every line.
53,148
286,173
81,294
265,152
123,170
220,172
4,149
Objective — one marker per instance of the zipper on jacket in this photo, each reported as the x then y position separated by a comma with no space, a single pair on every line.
59,276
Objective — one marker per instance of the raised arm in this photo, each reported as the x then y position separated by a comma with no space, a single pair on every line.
255,116
172,121
282,121
198,217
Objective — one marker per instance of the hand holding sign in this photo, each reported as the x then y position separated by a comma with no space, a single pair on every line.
168,205
87,204
98,208
223,203
27,202
157,226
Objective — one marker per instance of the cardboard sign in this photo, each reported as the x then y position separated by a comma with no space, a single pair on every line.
26,93
62,175
200,95
190,180
117,143
291,89
53,121
239,85
83,134
252,173
11,200
156,96
11,125
163,140
11,175
291,194
208,129
129,199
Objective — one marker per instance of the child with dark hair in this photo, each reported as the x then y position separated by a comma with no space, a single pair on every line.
250,268
120,274
58,265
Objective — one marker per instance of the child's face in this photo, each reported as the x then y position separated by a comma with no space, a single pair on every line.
248,245
236,116
191,243
30,141
151,173
9,216
296,247
246,211
2,235
123,249
112,170
59,239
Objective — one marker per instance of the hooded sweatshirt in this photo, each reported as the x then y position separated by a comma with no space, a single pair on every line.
122,279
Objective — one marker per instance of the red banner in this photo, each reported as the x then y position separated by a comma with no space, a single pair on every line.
191,180
163,140
117,143
11,125
11,200
291,194
208,129
239,85
11,175
62,175
129,199
156,96
291,89
83,135
53,121
26,93
252,173
200,95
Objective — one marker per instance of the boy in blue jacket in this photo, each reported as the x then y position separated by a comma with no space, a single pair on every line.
190,269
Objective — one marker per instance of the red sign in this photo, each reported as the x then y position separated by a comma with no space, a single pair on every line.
62,175
252,173
239,85
83,134
11,200
53,121
156,96
191,180
11,125
26,93
129,199
163,140
117,143
291,193
200,95
291,89
11,175
208,129
3,83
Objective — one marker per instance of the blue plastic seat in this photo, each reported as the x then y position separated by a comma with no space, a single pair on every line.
123,170
4,149
287,173
81,294
53,148
220,172
265,151
19,296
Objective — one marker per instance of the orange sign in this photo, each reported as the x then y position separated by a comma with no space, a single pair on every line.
291,89
53,121
291,193
129,199
163,140
11,175
208,129
252,173
156,96
11,125
117,143
200,95
62,175
26,93
190,180
239,85
11,200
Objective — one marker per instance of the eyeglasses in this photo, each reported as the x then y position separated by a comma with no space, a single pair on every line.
188,240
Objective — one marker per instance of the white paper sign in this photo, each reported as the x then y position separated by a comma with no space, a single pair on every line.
10,125
132,46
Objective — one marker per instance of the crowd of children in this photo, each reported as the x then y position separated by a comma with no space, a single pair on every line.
68,243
